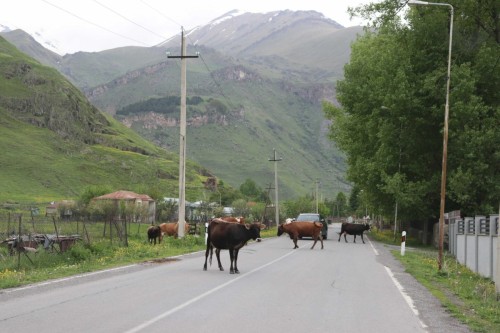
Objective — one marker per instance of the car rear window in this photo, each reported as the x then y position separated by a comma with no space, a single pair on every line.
307,217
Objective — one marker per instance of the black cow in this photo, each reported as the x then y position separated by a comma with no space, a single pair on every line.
229,236
154,232
353,229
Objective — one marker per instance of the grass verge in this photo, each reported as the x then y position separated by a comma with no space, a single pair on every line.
84,258
466,295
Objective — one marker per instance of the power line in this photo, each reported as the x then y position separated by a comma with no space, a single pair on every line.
201,57
129,20
159,12
94,24
210,72
215,81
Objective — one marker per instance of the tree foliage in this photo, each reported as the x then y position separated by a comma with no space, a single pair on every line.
167,105
253,192
390,123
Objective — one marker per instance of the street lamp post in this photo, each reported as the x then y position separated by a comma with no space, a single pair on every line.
445,134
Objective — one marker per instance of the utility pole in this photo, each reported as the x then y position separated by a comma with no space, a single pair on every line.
268,202
182,137
277,212
317,182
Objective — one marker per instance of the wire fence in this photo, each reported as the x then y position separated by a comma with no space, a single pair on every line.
25,231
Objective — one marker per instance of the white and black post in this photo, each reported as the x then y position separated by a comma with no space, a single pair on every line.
403,242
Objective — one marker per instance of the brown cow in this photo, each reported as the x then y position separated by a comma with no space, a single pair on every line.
170,229
302,229
239,219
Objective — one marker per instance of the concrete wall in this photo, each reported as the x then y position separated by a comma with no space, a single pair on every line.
473,241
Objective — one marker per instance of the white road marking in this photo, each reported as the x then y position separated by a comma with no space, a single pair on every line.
407,298
7,291
373,247
195,299
73,277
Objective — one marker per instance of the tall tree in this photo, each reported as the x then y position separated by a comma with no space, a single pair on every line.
392,108
340,204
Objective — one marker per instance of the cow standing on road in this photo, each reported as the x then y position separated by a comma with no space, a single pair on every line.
353,229
229,236
302,229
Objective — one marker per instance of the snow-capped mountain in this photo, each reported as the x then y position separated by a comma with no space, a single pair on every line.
4,28
40,37
51,45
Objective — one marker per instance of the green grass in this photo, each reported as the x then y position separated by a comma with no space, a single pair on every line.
98,255
387,237
55,144
466,295
37,166
82,258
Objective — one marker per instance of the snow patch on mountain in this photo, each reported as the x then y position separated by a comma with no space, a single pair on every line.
225,17
51,45
4,28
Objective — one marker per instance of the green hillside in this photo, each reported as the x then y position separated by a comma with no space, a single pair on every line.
88,69
271,72
266,112
264,119
54,143
28,45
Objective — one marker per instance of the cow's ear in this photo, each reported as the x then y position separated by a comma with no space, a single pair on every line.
263,226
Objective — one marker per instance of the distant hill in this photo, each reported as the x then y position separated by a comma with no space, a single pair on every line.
54,143
87,69
28,45
290,41
271,71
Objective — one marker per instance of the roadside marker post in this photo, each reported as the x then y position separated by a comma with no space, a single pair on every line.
403,242
206,233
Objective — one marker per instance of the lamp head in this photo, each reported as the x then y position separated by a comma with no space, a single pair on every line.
417,3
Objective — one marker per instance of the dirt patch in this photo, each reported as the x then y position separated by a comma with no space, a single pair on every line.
161,261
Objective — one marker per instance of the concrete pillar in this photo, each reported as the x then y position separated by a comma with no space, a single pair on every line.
497,271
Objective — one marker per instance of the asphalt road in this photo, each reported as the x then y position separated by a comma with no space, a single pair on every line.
346,287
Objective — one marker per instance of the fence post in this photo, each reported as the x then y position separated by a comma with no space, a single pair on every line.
495,225
477,222
19,240
451,236
468,222
492,249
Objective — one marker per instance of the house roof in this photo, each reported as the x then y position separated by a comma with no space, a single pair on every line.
124,195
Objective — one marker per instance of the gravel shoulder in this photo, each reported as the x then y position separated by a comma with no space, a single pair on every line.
431,312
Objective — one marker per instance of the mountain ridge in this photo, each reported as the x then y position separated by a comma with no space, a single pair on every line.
54,143
280,107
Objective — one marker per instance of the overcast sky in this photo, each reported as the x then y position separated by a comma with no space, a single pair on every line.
95,25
